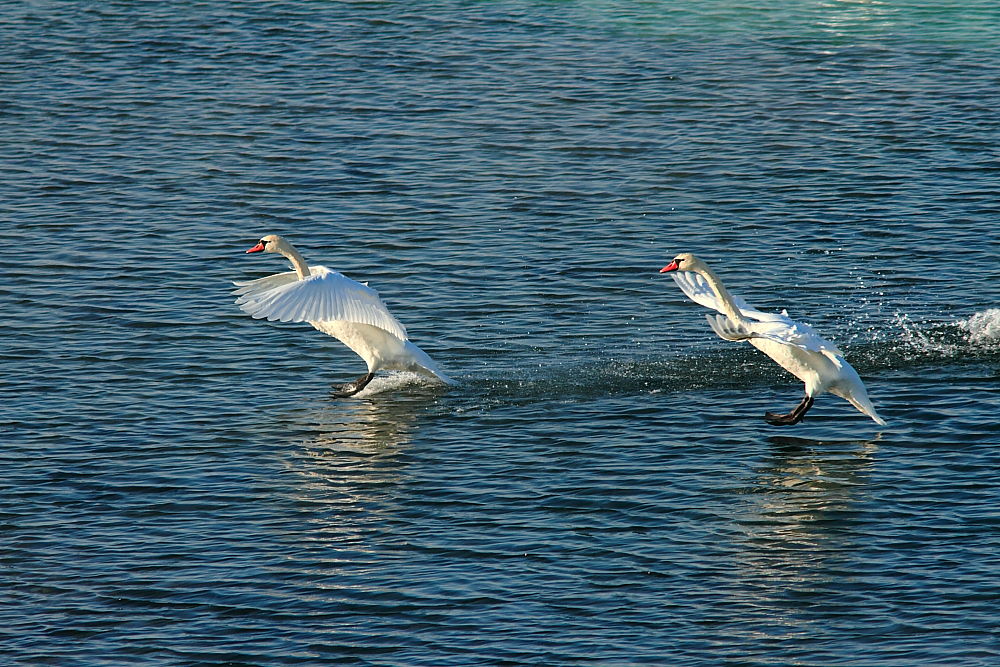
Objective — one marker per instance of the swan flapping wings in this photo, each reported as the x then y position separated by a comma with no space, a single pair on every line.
773,326
323,296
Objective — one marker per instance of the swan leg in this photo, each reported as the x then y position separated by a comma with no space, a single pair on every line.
351,388
793,417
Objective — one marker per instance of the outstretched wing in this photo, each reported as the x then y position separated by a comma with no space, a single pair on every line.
323,296
783,329
726,329
265,283
773,326
696,288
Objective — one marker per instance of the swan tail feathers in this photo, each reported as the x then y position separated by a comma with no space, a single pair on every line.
855,394
867,408
726,329
423,364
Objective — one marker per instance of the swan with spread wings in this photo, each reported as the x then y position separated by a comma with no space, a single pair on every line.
792,345
350,311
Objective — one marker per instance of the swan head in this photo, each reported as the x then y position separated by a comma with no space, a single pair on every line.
684,262
274,243
269,243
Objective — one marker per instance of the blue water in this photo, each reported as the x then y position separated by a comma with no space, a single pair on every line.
177,486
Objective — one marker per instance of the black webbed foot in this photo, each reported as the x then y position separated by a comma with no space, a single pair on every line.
777,419
351,388
791,418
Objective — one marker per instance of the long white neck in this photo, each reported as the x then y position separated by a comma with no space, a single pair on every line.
295,258
729,306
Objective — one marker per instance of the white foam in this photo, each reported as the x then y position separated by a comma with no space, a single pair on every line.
393,380
983,328
979,331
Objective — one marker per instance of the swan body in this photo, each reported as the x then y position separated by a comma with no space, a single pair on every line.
350,311
794,346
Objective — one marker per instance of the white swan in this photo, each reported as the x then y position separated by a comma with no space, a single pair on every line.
793,345
349,311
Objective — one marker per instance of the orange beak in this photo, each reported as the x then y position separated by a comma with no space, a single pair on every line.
257,248
672,266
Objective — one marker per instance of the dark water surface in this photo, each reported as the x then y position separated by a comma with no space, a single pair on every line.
178,487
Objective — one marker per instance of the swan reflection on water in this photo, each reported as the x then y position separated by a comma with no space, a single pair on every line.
351,445
348,462
831,469
384,424
799,534
802,519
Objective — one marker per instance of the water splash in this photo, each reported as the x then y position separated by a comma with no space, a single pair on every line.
397,380
909,340
904,343
915,338
983,329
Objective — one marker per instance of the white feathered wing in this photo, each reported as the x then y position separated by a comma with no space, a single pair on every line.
794,346
348,310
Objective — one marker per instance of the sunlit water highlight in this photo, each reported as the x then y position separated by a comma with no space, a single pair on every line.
179,487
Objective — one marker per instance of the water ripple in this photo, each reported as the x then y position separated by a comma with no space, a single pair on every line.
179,487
